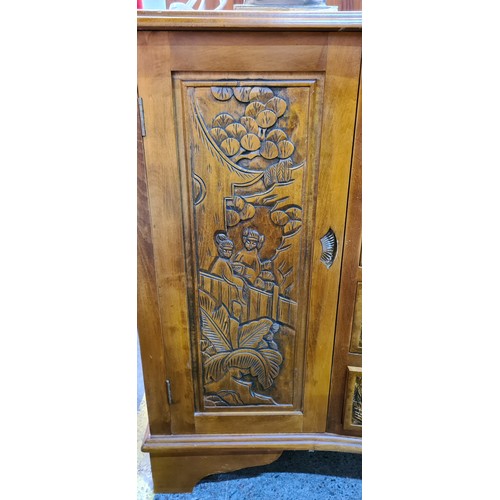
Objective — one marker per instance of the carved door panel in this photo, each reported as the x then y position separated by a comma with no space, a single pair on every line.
248,154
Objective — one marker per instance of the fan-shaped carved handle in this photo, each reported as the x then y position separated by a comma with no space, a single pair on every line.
329,245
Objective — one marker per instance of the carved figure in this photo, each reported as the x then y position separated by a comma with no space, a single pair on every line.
247,262
221,266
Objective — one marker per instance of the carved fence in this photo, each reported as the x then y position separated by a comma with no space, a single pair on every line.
260,304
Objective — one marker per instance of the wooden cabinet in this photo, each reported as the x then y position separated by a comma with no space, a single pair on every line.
248,120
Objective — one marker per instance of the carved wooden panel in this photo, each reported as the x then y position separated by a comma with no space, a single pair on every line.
245,145
353,399
356,342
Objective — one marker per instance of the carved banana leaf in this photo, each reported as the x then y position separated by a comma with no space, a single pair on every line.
263,364
215,323
274,360
251,334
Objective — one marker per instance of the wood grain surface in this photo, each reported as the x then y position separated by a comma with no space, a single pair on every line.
191,96
179,474
249,21
249,237
148,314
348,317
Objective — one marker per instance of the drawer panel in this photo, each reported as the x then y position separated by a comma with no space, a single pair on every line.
352,402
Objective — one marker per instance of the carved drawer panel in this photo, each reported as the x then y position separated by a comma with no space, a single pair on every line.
352,402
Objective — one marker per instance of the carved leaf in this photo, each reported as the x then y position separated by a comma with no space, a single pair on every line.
250,124
236,130
276,135
292,227
274,359
258,365
222,93
232,217
269,150
215,323
270,176
222,120
283,170
250,334
250,142
218,134
279,217
214,367
261,94
266,118
294,213
254,108
248,212
277,105
230,146
239,203
242,93
285,149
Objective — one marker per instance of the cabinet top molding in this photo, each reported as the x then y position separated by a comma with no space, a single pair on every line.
289,20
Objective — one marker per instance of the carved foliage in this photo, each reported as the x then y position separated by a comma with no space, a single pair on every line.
356,403
245,292
239,350
253,140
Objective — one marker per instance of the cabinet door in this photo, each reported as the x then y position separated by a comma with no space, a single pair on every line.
248,150
345,416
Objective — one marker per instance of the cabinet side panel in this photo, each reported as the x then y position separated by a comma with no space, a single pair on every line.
148,314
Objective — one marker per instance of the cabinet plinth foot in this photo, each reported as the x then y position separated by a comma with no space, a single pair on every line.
180,474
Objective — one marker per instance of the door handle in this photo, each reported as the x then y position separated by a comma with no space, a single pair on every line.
329,246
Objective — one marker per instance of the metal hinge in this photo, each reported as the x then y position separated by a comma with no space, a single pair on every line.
169,392
141,116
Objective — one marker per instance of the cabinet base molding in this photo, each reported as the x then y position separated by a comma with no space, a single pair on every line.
195,444
180,474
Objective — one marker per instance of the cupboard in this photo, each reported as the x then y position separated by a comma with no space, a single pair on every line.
249,287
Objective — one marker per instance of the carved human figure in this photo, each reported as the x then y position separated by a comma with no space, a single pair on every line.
247,262
221,266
